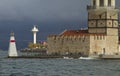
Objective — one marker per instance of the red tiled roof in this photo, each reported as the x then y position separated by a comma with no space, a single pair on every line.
74,32
78,32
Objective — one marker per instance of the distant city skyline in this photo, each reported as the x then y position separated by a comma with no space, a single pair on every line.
51,16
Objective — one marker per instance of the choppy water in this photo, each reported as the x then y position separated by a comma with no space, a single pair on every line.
58,67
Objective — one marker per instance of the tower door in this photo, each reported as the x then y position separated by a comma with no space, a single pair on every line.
104,51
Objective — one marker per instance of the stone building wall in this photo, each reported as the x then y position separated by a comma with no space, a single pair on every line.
69,44
112,44
104,44
83,44
97,44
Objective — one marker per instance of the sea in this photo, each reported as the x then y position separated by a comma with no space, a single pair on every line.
57,67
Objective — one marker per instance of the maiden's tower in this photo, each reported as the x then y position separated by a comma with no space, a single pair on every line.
101,37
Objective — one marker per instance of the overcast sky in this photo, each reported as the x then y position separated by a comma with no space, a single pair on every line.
42,10
51,16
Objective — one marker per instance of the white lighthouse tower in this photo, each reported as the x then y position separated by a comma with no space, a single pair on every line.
12,47
34,30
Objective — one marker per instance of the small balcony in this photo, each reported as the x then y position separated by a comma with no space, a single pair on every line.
91,7
97,7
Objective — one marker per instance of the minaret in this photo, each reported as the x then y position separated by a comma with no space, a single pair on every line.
12,46
34,30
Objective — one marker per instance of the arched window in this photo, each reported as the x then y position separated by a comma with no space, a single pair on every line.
94,2
109,2
101,2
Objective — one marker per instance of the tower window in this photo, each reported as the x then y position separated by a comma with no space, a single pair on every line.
97,37
94,2
109,2
110,17
101,23
101,2
100,16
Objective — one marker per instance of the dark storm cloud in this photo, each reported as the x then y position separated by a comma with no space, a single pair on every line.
42,10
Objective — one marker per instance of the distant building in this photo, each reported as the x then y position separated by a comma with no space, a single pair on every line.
101,37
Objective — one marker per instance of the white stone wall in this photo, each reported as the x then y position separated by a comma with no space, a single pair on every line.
112,31
111,44
97,30
97,44
104,45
